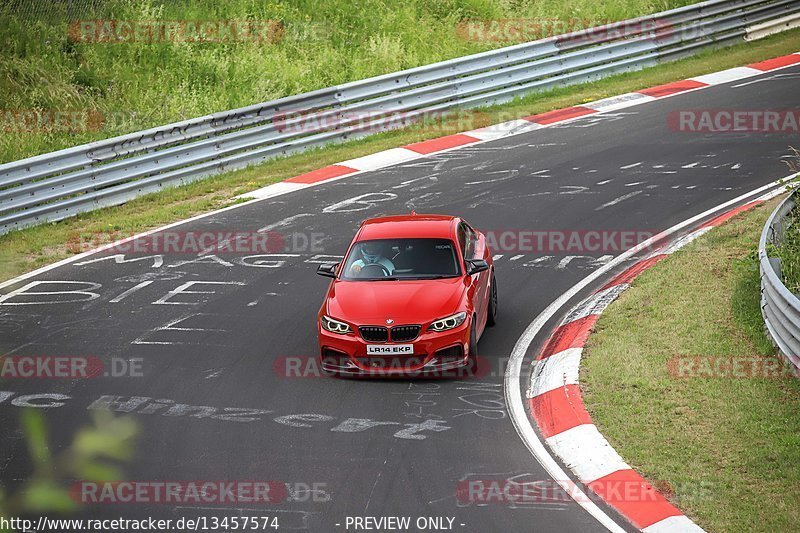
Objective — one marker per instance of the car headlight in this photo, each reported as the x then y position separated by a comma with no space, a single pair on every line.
334,326
449,322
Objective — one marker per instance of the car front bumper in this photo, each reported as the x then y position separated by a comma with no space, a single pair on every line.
435,354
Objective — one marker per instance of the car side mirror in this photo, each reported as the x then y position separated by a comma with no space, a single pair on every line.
327,269
476,265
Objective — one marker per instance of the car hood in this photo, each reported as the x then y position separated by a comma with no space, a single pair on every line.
405,302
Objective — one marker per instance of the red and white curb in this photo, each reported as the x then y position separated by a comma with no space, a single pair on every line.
421,149
555,403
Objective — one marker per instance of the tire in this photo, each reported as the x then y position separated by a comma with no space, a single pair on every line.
491,314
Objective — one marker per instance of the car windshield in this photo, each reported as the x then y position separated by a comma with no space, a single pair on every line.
398,259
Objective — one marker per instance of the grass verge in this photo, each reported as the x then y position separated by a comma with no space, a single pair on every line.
69,57
27,250
725,450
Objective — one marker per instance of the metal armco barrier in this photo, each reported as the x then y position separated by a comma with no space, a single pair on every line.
780,308
60,184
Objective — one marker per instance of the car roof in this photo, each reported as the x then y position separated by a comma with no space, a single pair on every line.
408,227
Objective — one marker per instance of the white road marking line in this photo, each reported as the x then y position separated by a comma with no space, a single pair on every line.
683,241
360,202
573,189
282,223
404,184
129,292
779,77
615,201
508,174
537,260
84,294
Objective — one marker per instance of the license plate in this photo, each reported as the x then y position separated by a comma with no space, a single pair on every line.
390,349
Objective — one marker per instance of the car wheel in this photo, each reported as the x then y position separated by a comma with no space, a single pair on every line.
491,315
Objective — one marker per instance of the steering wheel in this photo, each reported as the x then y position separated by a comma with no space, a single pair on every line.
374,270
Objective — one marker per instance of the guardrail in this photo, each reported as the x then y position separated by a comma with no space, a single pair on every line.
765,29
779,306
60,184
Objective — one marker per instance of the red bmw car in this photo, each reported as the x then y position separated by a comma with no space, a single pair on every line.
412,296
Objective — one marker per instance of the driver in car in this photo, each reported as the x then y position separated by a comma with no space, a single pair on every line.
372,254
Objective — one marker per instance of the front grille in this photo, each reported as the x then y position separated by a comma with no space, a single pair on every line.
405,333
374,333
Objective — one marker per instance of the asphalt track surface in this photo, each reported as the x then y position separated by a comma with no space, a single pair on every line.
220,350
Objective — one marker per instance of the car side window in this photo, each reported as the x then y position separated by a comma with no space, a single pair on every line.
471,242
462,240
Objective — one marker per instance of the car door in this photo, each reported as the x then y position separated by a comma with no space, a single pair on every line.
475,248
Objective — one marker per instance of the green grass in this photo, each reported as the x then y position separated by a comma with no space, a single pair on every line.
31,248
726,451
138,85
788,250
789,253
